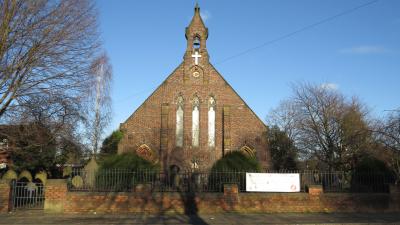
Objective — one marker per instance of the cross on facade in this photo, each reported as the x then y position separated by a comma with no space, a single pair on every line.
196,57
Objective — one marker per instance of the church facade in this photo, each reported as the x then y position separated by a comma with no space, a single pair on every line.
194,117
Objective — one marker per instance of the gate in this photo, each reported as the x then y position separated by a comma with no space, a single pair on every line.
27,195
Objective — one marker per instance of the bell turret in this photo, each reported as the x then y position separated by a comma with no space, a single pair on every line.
196,35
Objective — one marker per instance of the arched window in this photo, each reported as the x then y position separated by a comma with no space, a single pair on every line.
195,122
145,152
179,122
248,151
196,42
211,122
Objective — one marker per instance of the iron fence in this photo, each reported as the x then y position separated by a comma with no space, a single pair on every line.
122,180
27,195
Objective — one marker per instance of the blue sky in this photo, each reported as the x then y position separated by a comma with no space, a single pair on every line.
357,53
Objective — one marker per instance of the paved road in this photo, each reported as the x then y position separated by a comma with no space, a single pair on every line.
223,219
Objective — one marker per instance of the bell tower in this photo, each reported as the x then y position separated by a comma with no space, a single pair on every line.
196,57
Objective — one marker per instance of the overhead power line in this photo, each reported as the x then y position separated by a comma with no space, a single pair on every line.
129,97
308,27
270,42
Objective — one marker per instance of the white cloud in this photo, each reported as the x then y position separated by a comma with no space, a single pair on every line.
329,86
365,49
205,15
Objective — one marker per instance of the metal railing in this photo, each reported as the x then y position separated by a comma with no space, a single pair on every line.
123,180
27,195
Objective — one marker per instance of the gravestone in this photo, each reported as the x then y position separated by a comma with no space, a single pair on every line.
67,171
77,181
10,175
25,174
90,171
42,176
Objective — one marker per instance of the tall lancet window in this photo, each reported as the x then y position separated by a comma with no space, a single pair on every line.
195,122
211,122
179,122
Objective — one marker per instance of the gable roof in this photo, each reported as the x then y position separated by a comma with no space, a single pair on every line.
234,91
217,72
158,87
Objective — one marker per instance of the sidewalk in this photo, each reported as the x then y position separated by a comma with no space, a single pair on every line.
226,218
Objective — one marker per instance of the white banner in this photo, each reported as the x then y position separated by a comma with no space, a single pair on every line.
273,182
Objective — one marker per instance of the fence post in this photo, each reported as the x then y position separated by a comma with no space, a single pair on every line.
394,189
315,190
5,193
231,196
143,188
55,195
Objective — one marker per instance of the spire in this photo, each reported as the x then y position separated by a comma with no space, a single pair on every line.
196,35
196,24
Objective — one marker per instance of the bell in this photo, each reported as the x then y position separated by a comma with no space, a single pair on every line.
196,42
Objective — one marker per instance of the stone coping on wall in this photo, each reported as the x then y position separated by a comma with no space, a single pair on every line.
56,182
249,194
154,194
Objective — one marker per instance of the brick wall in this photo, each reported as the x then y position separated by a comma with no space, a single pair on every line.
55,195
329,202
4,196
229,201
80,202
60,200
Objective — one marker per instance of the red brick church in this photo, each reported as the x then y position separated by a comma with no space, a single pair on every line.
194,117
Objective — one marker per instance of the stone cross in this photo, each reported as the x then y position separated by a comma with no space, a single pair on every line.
196,57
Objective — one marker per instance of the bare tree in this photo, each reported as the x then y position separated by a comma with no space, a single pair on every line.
388,133
46,50
99,101
45,130
324,125
284,118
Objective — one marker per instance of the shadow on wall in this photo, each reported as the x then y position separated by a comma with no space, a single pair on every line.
191,209
187,198
186,202
179,202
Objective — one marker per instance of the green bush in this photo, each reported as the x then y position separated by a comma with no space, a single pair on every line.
369,164
110,143
121,172
283,151
236,161
371,175
231,169
128,161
